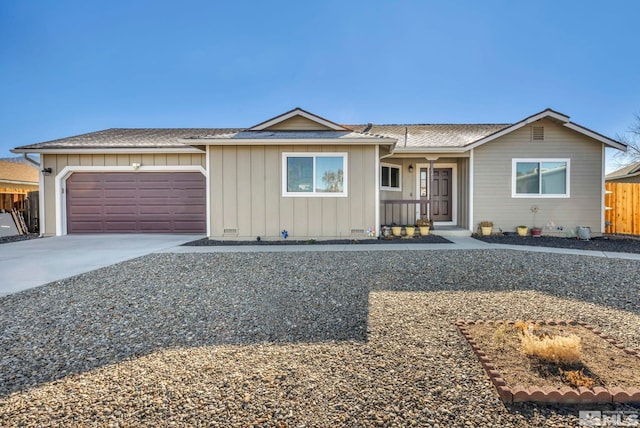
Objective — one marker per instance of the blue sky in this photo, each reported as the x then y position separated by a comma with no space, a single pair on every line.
69,67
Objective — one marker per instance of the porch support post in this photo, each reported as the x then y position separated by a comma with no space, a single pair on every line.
430,185
377,191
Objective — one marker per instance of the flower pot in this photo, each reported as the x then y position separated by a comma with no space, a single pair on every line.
396,230
424,230
410,230
486,230
522,231
536,231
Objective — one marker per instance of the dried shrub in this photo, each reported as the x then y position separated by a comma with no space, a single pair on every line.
524,327
577,378
558,349
500,336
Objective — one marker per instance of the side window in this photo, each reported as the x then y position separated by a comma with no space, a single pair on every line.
390,178
543,178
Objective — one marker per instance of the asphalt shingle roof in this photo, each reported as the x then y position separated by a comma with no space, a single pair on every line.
417,136
432,135
129,138
629,169
287,135
14,171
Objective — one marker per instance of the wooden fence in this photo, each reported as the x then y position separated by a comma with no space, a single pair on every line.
622,208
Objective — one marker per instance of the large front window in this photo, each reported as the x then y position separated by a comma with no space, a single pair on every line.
314,174
544,178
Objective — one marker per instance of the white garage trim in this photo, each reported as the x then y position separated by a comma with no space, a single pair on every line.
62,176
208,190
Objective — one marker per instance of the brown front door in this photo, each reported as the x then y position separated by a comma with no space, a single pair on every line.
441,198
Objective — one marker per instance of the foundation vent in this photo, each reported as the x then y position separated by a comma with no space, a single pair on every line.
230,231
537,133
357,231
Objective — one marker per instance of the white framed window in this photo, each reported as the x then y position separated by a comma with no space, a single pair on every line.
390,177
322,174
540,178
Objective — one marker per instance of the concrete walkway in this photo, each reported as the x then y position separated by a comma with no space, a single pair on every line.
27,264
35,262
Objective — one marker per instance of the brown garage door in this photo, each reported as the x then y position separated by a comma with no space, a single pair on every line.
136,202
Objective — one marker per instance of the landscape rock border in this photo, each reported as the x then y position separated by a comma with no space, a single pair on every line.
566,395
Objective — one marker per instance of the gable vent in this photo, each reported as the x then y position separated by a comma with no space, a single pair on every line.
537,133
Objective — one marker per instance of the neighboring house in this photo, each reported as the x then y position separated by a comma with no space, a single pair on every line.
628,174
315,178
16,181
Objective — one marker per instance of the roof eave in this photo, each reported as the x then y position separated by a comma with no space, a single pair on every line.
18,182
447,149
548,113
106,150
297,112
619,177
604,140
280,142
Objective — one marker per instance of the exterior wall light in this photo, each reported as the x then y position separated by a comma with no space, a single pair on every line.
136,165
410,168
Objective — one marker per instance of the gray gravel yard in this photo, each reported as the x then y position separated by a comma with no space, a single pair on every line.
310,339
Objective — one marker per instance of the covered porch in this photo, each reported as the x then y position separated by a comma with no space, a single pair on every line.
435,188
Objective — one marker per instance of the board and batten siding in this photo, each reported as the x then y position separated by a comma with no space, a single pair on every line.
247,202
493,180
298,123
57,162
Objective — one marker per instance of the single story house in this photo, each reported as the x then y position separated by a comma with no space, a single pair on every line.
314,178
17,179
627,174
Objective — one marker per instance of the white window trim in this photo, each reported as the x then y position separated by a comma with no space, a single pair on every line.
514,163
314,194
389,188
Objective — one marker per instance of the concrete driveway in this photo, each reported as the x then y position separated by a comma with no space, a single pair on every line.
35,262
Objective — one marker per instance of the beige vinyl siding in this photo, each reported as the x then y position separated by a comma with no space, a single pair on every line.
493,180
247,202
57,162
298,123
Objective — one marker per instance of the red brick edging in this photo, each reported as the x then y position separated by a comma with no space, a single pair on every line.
551,394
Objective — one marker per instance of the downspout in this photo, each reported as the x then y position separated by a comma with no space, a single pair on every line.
31,161
471,185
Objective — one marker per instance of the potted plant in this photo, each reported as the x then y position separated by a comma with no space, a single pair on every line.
396,230
535,231
410,230
486,227
522,230
424,224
